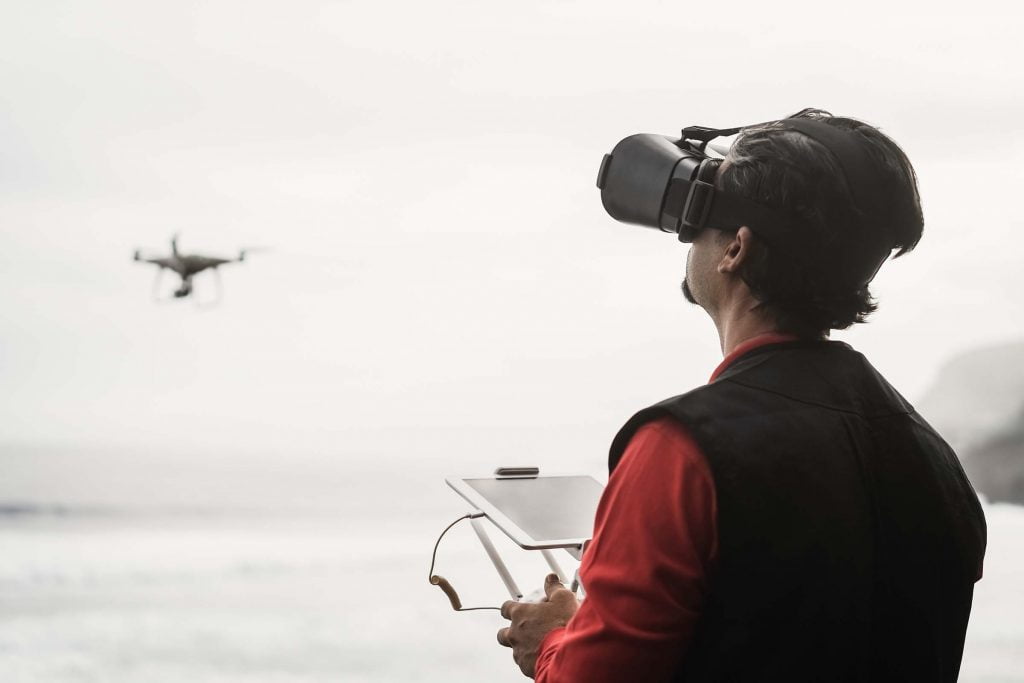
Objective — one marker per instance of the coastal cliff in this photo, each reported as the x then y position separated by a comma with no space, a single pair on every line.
977,404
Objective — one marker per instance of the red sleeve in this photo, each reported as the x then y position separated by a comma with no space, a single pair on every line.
645,570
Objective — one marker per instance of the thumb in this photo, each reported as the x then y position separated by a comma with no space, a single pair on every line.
551,585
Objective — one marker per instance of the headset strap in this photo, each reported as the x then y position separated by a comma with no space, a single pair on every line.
705,134
858,169
693,203
849,151
697,204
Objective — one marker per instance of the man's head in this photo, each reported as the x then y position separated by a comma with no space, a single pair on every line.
839,232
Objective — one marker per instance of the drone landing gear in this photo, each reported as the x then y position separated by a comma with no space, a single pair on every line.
156,287
220,292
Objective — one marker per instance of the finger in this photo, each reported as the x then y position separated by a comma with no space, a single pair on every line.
551,585
506,608
564,598
503,637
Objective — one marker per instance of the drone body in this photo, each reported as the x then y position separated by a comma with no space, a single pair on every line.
186,266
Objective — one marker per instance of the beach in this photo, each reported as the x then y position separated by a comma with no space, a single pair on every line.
301,585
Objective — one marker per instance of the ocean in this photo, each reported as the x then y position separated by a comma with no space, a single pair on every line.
125,567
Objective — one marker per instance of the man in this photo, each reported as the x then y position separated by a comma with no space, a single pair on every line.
794,519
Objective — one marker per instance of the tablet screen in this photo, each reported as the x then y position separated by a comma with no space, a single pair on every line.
547,508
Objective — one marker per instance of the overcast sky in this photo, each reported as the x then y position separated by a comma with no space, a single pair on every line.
424,173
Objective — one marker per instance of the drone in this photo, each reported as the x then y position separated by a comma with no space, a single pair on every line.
187,266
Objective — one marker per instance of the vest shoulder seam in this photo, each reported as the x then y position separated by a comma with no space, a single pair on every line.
821,405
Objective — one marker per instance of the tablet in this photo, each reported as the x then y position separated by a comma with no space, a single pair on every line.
536,512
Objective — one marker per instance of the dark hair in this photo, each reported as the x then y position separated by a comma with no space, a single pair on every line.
786,169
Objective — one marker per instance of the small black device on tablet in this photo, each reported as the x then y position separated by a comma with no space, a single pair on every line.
517,472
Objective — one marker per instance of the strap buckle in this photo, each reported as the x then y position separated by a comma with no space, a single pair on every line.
701,133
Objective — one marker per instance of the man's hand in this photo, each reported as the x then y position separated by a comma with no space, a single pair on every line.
532,621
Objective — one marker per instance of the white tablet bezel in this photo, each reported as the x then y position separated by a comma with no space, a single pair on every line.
507,526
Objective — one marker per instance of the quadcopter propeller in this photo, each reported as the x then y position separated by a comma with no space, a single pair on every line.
245,251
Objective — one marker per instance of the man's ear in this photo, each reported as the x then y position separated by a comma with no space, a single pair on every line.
737,251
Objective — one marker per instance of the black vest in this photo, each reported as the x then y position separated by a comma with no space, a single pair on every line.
849,537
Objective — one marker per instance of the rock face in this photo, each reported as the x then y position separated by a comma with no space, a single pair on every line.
977,404
996,466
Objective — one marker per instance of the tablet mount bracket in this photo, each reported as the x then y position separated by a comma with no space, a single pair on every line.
576,552
506,577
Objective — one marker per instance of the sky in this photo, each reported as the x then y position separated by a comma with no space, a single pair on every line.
440,280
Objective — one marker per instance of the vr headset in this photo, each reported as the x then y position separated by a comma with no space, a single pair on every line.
669,184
